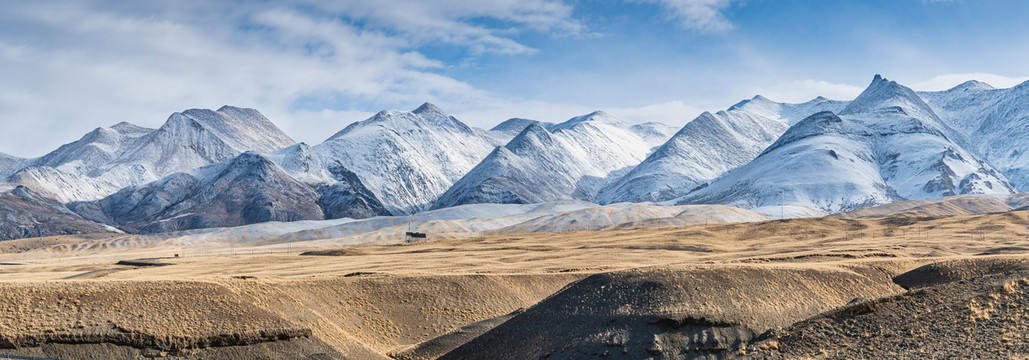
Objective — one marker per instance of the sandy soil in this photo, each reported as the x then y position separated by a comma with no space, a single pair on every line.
696,291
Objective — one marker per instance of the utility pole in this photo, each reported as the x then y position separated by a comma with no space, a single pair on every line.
589,224
782,205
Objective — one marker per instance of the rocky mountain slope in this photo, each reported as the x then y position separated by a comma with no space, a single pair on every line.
247,189
28,214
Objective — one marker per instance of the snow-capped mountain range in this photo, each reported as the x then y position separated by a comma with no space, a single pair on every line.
885,145
572,160
233,166
709,146
109,159
408,159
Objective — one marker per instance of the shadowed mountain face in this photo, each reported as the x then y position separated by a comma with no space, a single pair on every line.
245,190
24,213
347,197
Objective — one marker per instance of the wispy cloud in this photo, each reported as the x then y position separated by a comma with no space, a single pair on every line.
804,90
69,66
947,81
700,15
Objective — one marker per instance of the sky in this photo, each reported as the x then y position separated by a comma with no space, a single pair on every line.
312,67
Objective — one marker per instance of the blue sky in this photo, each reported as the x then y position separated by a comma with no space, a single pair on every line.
315,66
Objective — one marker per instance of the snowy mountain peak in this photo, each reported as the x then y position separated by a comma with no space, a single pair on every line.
757,100
242,128
428,109
425,116
972,85
654,133
883,94
303,163
125,127
510,128
408,158
250,159
533,138
823,123
596,116
514,124
758,105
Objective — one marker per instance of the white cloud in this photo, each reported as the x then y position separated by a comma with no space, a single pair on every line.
701,15
675,113
70,66
947,81
488,114
804,90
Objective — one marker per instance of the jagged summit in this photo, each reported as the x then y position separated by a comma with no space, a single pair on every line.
429,109
886,95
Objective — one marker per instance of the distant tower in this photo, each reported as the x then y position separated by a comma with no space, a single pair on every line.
782,205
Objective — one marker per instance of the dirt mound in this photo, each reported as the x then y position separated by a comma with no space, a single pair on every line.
673,313
957,270
168,316
290,349
977,318
438,346
374,315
